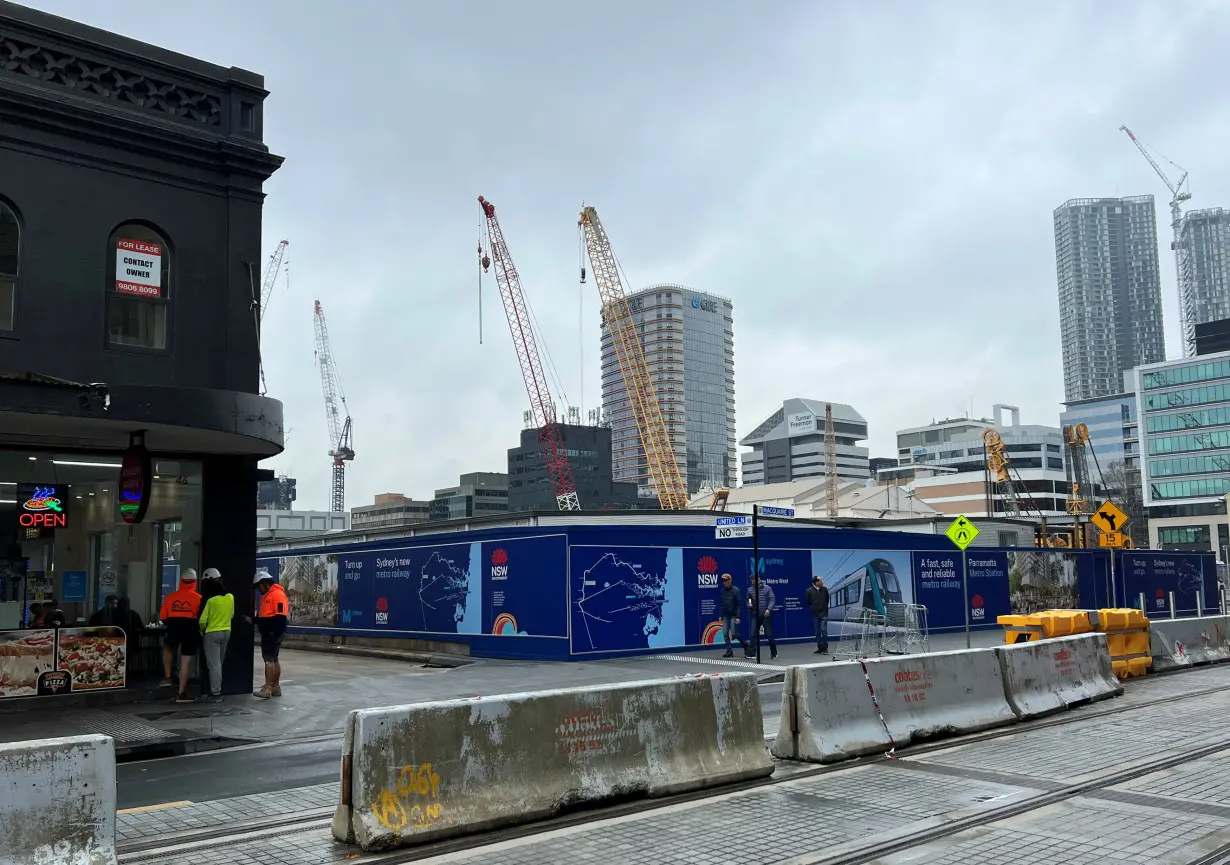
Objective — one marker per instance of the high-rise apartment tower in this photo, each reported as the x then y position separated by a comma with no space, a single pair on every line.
1110,294
1206,234
689,343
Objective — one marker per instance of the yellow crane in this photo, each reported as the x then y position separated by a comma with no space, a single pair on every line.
663,466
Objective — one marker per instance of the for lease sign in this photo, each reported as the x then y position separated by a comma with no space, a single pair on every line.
138,267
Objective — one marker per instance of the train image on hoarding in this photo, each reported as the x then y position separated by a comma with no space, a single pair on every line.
868,587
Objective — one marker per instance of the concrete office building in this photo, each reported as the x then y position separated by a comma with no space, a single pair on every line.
1110,294
1206,235
274,523
477,494
948,459
789,444
131,192
1184,411
589,458
688,340
388,511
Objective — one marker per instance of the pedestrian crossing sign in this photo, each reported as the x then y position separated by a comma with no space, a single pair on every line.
962,532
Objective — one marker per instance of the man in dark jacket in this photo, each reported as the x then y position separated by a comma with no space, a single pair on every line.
818,603
762,618
732,607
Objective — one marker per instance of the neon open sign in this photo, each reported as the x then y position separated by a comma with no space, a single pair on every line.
43,508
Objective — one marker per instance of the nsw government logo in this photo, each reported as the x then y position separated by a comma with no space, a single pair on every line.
499,564
977,607
707,573
382,611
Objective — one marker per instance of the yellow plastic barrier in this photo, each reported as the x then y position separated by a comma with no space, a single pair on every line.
1020,629
1127,636
1045,625
1065,623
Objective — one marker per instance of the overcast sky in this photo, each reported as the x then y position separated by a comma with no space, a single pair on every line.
871,183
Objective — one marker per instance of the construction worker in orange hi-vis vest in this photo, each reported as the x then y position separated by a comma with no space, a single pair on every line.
179,613
271,620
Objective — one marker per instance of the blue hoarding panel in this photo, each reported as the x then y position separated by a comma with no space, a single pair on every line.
938,581
523,588
1157,574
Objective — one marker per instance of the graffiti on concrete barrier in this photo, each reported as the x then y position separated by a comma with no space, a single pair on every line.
587,732
413,803
912,685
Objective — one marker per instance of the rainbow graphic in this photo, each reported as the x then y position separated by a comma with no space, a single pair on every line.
712,631
505,625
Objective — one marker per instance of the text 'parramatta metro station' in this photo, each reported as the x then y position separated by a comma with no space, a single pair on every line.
130,415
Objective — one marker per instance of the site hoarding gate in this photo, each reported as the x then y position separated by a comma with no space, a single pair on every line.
605,591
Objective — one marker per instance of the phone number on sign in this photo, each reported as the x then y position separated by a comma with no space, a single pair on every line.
132,288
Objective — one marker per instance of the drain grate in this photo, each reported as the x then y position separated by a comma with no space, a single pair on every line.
123,729
192,714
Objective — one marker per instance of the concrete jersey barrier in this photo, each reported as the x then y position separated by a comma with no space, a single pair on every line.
828,712
1175,643
412,774
1046,676
57,801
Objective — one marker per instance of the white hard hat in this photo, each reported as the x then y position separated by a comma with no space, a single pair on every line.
212,574
261,574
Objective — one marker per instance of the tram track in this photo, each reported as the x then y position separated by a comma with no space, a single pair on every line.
231,834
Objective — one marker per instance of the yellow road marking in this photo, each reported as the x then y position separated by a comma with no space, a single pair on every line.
161,807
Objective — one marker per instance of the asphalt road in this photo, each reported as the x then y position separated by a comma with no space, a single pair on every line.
264,768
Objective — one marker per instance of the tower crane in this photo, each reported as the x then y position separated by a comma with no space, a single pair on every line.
542,408
655,440
260,301
1182,255
830,461
341,447
271,275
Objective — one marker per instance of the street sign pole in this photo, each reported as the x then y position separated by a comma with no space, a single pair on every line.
755,617
962,533
965,591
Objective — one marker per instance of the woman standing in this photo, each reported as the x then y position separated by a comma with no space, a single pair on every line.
216,615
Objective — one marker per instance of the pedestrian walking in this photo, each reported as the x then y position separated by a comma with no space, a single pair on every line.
732,607
216,615
818,603
272,617
764,615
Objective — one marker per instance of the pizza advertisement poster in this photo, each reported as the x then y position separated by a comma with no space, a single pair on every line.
24,656
94,658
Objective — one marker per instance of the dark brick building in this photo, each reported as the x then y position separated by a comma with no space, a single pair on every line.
130,244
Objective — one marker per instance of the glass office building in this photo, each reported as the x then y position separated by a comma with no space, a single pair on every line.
1184,406
688,340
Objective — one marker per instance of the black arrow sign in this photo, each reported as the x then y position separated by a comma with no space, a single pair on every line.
1110,518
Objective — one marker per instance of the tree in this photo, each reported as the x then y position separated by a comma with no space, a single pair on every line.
1123,488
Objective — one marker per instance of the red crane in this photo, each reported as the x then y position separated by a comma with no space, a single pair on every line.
517,311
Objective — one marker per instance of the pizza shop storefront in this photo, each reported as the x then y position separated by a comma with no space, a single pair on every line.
92,540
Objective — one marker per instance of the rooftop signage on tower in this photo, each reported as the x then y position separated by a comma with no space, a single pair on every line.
699,302
799,424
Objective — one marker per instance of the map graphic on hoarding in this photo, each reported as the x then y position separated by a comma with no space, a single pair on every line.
627,598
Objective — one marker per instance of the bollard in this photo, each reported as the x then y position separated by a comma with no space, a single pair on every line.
1172,613
1221,599
1144,609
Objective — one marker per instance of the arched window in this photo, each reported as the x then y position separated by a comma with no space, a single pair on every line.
10,265
138,287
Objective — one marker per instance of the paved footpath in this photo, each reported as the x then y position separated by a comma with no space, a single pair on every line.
1144,778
